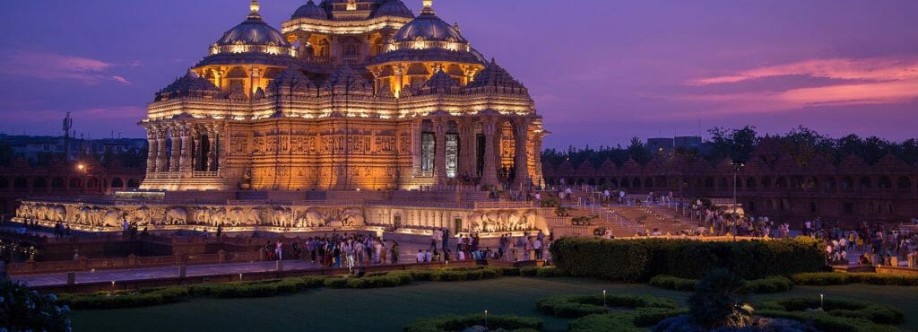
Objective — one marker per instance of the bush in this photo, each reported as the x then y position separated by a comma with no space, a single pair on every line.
840,278
567,306
550,272
716,300
759,286
638,260
335,282
827,322
623,321
23,309
510,272
873,312
459,323
146,298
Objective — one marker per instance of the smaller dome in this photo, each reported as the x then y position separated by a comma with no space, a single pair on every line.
310,10
441,81
190,85
495,76
393,8
429,27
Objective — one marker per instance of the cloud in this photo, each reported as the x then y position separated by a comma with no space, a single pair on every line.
86,115
806,84
57,67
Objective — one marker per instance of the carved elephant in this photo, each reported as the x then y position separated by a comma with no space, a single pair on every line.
217,216
353,217
141,216
236,217
314,218
112,218
253,217
176,216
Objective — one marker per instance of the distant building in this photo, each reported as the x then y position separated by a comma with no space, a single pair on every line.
660,144
34,149
687,142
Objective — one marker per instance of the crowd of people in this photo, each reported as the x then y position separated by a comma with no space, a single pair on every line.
337,250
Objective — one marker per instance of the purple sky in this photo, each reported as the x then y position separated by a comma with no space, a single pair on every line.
600,71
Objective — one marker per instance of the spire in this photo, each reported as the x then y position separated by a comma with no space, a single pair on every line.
428,7
254,7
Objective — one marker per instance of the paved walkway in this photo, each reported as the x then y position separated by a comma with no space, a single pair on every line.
52,279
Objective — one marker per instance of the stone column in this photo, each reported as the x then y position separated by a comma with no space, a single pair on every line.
185,158
521,155
489,175
440,151
176,154
162,160
212,152
536,153
466,151
152,150
196,149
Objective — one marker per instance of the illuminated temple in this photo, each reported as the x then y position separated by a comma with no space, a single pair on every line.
349,94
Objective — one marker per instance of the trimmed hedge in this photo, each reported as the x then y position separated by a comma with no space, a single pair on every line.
759,286
567,306
841,278
640,259
104,300
827,322
633,321
873,312
459,323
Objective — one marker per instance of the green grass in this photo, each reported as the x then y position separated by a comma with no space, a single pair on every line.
390,309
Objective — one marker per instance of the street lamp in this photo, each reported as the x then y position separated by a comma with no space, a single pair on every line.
736,168
81,167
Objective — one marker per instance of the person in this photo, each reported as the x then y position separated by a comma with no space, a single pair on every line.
278,250
394,253
428,256
349,253
537,247
420,256
219,230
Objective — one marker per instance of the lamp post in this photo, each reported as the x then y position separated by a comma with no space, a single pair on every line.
84,170
736,168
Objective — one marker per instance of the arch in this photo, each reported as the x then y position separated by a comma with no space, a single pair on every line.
92,183
57,183
21,183
602,182
648,183
40,184
75,183
766,183
884,183
828,184
781,183
904,184
846,184
613,182
724,184
750,183
636,183
865,183
591,182
133,184
579,181
626,183
709,183
810,183
117,183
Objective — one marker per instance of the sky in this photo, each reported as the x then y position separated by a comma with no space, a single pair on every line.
599,71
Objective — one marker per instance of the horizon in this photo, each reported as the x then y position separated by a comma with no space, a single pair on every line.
651,69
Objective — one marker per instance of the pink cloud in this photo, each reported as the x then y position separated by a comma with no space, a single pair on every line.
874,69
57,67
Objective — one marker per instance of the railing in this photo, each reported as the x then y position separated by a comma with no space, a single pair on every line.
205,174
504,205
131,261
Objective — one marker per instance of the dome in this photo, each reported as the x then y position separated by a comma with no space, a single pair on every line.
393,8
495,76
254,32
429,27
310,10
190,85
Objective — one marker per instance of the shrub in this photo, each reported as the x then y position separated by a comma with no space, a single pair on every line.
827,322
23,309
840,278
567,306
335,282
550,272
715,301
759,286
510,271
459,323
638,260
873,312
105,300
623,321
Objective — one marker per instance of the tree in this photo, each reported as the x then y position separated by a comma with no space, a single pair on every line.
639,151
23,309
718,301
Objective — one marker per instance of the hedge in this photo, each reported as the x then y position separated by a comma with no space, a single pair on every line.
827,322
459,323
873,312
623,321
841,278
567,306
758,286
640,259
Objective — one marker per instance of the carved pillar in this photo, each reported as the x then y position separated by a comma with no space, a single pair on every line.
536,155
185,153
416,147
152,150
162,161
196,149
212,151
176,154
521,155
440,150
489,174
466,157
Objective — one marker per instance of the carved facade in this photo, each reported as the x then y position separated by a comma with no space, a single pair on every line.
349,95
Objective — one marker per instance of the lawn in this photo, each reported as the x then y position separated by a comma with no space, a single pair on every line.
390,309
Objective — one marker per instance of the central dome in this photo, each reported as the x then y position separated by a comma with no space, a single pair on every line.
254,32
429,27
393,8
310,10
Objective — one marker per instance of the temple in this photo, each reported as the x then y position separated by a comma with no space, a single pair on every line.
348,95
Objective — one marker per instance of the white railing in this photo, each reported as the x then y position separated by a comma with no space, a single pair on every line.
205,174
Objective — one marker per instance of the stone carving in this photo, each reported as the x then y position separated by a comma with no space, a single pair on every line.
176,216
